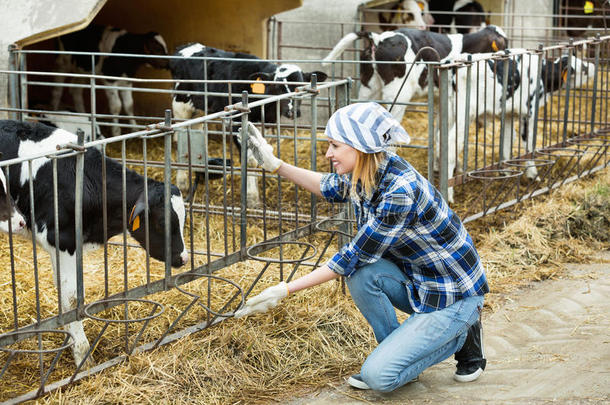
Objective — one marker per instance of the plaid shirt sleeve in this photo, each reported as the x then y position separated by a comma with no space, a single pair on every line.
394,213
334,188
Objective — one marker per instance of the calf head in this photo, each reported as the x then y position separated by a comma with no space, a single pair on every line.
558,72
8,210
154,44
494,39
156,210
286,75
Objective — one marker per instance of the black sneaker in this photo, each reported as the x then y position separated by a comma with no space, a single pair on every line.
470,358
356,382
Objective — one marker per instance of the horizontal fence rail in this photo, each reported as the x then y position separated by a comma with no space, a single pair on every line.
121,287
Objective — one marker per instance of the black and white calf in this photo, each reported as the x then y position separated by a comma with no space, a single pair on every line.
383,81
286,78
9,213
104,39
523,80
457,16
22,139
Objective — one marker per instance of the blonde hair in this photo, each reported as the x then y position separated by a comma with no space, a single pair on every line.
365,171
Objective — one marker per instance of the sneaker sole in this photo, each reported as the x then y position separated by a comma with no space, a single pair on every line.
468,377
361,385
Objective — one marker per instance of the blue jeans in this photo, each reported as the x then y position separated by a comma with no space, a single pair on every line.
424,339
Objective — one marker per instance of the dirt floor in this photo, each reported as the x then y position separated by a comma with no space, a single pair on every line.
550,343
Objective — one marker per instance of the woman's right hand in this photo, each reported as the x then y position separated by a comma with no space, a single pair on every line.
261,150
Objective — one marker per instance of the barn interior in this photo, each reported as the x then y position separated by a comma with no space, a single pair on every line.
235,25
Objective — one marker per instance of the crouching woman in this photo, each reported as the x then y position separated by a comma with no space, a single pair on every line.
410,252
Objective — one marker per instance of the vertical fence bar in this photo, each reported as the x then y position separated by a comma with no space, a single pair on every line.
539,78
78,220
167,183
56,233
467,115
23,84
566,106
12,258
314,137
93,99
146,208
243,221
431,150
594,95
105,220
443,115
505,154
13,82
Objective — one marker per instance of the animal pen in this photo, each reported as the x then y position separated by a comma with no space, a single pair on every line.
131,303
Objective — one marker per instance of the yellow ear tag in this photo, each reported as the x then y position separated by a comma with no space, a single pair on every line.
494,46
258,88
421,5
564,76
588,7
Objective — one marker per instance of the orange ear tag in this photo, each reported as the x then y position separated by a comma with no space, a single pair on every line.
494,46
564,76
421,5
136,223
588,8
258,88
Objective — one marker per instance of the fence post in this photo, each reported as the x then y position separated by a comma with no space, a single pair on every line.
443,115
13,82
167,200
78,220
243,222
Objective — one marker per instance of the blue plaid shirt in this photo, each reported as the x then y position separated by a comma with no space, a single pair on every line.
407,221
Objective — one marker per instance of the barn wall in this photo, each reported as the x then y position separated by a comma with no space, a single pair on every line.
236,25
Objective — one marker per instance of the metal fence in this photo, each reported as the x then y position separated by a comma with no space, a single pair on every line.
128,301
122,288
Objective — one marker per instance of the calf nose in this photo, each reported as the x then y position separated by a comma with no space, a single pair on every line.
185,257
289,113
21,224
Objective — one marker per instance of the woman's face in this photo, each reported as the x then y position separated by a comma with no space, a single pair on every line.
342,156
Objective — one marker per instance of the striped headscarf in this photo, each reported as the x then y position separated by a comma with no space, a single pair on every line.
367,127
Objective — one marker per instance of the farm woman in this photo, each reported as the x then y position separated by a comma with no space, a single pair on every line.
410,252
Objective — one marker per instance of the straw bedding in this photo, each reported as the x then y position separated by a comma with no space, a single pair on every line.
314,337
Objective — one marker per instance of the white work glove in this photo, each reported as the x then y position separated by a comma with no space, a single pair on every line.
264,301
261,150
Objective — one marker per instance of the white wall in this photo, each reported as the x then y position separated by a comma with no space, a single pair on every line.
37,19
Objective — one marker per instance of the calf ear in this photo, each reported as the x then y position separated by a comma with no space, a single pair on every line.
321,76
136,213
